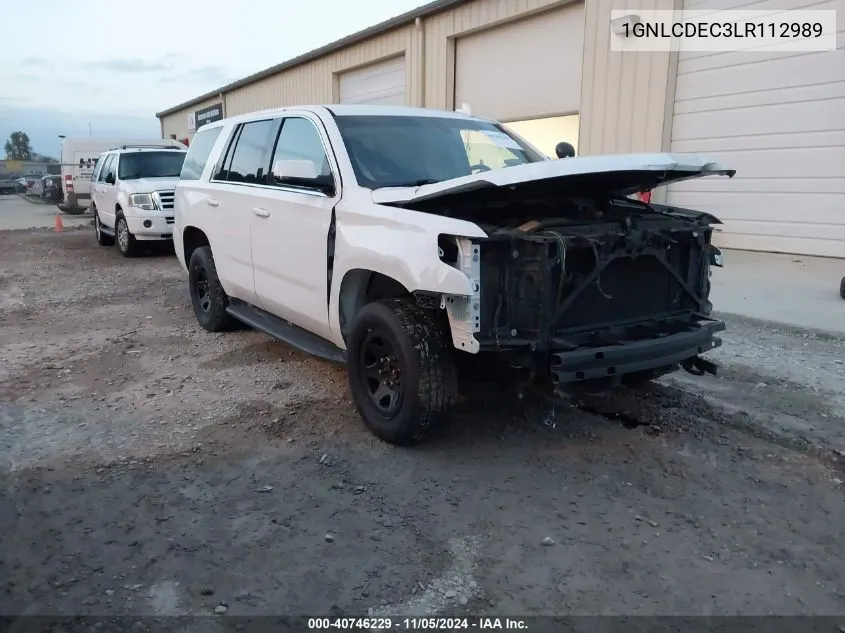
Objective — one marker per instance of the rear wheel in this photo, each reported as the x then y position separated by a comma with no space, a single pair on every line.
207,295
842,288
401,373
102,238
126,242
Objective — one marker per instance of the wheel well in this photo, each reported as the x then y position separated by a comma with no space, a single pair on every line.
360,287
192,239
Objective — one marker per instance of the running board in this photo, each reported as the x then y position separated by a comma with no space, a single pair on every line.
286,332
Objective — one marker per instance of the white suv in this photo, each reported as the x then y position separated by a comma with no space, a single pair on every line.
402,241
132,195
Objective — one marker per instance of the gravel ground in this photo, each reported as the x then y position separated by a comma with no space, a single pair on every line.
149,467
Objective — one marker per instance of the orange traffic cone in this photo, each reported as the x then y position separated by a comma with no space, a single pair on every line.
59,226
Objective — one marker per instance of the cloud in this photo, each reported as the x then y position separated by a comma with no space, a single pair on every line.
216,75
34,61
128,66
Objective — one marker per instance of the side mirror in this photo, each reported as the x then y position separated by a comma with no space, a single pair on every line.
564,150
297,171
110,179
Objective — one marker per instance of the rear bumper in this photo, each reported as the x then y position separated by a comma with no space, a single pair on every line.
618,360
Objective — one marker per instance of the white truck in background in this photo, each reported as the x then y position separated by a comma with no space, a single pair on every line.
78,159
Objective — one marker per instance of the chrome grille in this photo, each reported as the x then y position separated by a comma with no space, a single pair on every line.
165,199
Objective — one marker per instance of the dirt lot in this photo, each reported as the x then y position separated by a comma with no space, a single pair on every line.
149,467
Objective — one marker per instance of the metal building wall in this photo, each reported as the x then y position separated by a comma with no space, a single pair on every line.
177,122
626,101
316,82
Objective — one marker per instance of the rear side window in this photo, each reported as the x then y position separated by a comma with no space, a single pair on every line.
198,153
96,173
104,170
248,160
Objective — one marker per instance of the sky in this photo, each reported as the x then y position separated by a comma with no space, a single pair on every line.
69,64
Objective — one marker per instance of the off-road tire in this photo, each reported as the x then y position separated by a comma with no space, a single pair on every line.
130,247
214,317
102,238
423,353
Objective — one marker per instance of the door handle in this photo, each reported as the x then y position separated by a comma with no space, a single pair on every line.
213,203
261,213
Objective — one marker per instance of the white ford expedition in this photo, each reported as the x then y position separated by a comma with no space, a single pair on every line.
405,242
132,195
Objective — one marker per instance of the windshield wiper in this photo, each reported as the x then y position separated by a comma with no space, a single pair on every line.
413,183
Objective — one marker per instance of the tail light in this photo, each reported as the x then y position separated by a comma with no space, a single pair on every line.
69,183
645,196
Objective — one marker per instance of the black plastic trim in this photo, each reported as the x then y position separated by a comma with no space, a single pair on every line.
617,360
286,332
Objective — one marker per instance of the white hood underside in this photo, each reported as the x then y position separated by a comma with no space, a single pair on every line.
665,168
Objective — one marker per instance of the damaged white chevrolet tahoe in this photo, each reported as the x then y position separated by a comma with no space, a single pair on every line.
402,241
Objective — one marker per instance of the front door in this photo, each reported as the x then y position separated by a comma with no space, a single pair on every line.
290,227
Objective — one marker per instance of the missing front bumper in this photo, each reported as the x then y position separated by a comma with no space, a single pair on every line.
617,360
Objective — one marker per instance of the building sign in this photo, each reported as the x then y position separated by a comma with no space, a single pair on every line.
208,115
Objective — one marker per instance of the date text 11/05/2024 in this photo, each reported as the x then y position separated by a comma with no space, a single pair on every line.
417,624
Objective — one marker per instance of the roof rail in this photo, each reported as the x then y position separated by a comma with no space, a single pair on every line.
145,147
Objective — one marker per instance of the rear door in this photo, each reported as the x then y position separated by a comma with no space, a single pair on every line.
97,184
238,183
107,191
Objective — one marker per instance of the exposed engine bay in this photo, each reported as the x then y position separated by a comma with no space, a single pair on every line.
586,289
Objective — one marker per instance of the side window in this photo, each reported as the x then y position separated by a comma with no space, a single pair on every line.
106,162
96,173
111,167
299,140
251,153
198,153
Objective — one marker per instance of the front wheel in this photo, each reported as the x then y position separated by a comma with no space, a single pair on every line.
401,373
126,242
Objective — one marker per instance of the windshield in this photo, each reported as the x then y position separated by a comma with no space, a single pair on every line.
150,165
409,151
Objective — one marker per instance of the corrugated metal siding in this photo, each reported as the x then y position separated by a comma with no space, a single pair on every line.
177,123
316,82
625,97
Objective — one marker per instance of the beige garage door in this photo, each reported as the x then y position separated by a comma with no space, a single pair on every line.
523,70
779,120
382,83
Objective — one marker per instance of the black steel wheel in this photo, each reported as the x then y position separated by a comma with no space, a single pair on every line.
381,373
401,372
208,298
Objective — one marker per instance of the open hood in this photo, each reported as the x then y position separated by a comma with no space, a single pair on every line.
591,176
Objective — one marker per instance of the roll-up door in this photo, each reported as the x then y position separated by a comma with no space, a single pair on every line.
381,83
528,69
778,118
